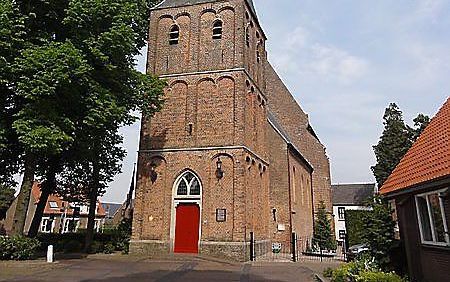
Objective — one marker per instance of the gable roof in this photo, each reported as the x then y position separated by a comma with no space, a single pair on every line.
58,203
111,209
178,3
278,128
352,194
428,158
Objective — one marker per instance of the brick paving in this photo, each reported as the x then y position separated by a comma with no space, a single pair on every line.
175,268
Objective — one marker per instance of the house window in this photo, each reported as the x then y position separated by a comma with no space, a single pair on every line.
98,225
342,234
47,225
341,213
71,225
53,205
432,219
188,185
174,35
217,29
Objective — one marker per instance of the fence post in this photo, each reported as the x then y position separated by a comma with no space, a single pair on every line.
252,247
294,247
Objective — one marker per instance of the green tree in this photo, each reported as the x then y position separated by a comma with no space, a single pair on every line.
111,34
6,198
393,145
50,91
323,234
396,140
378,230
12,38
73,83
420,123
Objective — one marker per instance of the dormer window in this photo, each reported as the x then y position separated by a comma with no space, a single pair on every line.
53,205
174,35
217,29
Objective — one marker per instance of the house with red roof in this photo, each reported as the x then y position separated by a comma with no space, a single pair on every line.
420,187
59,216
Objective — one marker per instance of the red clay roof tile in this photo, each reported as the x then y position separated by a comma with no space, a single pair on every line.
428,158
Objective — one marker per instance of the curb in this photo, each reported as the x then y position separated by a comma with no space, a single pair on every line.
319,278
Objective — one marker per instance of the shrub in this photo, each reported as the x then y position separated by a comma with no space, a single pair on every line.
368,276
354,225
328,272
18,248
109,248
363,270
96,247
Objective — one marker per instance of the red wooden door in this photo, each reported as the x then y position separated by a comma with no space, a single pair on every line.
187,228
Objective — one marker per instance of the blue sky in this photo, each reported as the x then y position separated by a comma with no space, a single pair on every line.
345,61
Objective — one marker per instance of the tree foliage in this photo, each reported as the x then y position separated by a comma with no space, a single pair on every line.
378,230
323,234
354,222
393,144
71,84
395,141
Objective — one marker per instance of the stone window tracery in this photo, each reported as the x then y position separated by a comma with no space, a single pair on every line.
188,185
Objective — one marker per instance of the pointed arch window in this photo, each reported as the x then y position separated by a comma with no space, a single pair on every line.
188,185
247,36
174,35
217,29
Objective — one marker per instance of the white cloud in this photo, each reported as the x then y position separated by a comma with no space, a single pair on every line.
297,39
332,62
304,55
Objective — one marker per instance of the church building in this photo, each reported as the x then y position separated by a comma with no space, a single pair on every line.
231,153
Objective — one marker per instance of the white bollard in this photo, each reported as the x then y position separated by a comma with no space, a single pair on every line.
50,253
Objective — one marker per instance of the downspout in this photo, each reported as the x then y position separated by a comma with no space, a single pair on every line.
289,189
312,201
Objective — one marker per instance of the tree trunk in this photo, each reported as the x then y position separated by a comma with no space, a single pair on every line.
47,188
23,199
93,193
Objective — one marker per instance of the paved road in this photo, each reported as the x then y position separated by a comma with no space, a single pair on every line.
184,269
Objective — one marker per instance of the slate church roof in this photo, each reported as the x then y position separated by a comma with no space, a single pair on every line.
178,3
429,157
352,194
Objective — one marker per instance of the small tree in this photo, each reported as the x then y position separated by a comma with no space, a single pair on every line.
378,230
323,234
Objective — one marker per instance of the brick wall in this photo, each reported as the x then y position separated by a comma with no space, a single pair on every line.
284,107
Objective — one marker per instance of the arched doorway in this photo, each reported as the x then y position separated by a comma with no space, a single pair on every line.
186,217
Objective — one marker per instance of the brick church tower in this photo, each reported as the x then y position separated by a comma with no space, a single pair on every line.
216,163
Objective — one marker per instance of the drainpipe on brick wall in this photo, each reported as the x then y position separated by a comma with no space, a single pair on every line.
312,201
289,189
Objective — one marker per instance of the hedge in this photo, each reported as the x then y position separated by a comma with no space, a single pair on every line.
354,225
18,248
116,239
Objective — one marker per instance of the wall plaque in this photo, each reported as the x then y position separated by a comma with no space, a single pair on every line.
221,215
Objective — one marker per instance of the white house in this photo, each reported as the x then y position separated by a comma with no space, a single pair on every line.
349,197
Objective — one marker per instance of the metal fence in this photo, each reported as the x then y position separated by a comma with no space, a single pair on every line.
297,249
